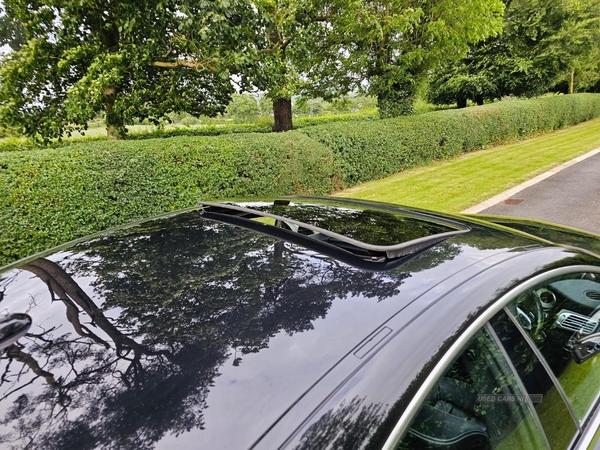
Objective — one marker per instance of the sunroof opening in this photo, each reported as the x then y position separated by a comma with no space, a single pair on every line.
382,228
375,234
265,220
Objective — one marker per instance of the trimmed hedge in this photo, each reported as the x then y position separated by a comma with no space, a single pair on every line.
50,196
372,150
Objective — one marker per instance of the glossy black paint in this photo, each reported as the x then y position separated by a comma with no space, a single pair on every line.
183,332
414,349
549,231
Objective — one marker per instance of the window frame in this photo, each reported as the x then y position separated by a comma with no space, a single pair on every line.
457,347
519,381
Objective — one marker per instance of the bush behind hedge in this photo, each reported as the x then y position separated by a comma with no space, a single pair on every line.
263,126
372,150
50,196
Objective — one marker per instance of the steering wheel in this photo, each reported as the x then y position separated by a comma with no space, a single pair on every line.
532,310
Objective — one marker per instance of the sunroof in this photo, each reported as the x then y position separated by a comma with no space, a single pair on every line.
376,234
375,227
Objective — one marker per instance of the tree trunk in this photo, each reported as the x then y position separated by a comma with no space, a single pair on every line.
479,100
114,123
461,103
14,352
571,81
282,113
63,286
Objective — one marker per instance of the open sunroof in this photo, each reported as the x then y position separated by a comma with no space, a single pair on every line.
377,235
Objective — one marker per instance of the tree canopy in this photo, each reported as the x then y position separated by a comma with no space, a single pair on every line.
329,48
542,41
128,60
72,61
386,48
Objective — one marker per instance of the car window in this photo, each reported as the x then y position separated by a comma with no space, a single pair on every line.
561,316
476,404
550,407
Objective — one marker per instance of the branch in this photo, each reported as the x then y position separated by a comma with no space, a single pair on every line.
276,46
285,43
6,371
266,51
19,388
19,355
196,65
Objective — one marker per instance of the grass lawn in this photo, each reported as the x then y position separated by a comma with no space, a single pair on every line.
454,185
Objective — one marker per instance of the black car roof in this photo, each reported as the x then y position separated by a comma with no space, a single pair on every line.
172,332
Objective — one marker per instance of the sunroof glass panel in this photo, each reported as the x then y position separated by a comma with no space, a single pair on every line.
375,227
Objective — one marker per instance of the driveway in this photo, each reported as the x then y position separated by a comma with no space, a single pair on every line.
569,195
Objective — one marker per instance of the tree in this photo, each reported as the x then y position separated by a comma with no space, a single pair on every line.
347,427
578,42
541,41
386,48
127,60
278,37
448,87
281,32
243,108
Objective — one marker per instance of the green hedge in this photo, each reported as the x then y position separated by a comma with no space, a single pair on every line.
54,195
50,196
372,150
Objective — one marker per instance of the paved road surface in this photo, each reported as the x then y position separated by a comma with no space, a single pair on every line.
570,197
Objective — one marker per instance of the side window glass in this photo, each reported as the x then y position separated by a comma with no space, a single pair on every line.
477,405
562,319
550,408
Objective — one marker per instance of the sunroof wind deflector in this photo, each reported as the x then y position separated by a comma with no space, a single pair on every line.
356,246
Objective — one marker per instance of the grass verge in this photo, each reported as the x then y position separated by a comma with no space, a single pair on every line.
454,185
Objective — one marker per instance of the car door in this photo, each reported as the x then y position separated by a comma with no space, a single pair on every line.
559,319
528,378
477,404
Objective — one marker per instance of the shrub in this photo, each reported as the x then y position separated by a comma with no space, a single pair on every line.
54,195
209,127
372,150
20,144
49,196
189,120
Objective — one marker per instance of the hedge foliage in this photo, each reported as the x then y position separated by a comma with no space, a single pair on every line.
372,150
50,196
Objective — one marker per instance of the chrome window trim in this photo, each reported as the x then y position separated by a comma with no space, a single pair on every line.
546,366
587,436
415,404
592,411
519,382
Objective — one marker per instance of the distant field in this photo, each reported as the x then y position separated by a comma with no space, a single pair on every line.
100,130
